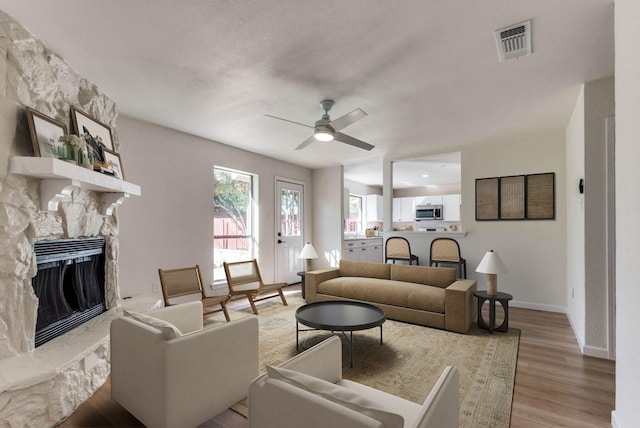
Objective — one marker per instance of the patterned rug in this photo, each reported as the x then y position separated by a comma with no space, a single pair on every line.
409,362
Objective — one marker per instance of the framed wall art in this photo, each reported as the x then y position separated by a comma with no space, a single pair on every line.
97,134
487,198
541,196
512,198
45,133
113,164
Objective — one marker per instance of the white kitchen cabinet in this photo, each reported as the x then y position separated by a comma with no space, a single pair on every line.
408,209
451,206
396,215
374,207
363,250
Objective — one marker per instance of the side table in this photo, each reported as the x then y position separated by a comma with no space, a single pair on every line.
301,275
503,299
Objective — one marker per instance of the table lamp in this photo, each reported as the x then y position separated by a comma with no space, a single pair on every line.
308,253
492,265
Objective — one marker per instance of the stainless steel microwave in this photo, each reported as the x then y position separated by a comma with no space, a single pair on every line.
428,212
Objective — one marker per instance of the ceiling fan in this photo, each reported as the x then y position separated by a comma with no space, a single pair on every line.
326,129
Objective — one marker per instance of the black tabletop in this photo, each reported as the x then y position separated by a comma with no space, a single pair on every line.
499,295
340,315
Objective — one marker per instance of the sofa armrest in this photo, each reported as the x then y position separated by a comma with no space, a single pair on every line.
441,408
459,308
187,317
323,361
315,277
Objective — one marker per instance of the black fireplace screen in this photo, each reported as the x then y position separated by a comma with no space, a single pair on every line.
69,284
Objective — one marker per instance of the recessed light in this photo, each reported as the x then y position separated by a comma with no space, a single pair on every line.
432,186
425,175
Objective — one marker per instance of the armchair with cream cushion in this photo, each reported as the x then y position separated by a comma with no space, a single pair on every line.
170,371
308,391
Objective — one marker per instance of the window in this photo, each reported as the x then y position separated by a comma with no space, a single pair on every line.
233,240
354,219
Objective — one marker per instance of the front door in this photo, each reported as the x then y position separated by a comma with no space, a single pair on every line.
289,231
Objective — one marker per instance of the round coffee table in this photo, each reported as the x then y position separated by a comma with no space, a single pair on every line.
339,315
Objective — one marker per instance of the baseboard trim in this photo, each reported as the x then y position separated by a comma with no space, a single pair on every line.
592,351
614,420
538,307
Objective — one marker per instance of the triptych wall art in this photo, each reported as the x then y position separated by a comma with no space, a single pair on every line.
517,197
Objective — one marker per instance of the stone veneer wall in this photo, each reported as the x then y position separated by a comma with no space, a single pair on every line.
31,75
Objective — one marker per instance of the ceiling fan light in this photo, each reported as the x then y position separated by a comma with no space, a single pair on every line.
323,133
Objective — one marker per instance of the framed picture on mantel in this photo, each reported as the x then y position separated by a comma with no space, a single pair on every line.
45,133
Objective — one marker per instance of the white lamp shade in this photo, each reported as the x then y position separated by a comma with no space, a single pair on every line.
308,252
492,263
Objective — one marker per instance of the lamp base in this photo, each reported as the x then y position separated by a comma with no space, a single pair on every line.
307,266
492,284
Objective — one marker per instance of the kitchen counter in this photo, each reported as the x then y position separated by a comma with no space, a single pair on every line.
358,238
406,233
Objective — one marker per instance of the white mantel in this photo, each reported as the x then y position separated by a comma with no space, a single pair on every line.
60,178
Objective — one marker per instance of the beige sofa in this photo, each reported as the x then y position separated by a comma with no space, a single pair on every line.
430,296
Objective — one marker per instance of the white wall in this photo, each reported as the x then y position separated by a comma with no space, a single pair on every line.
575,224
533,250
627,16
171,224
328,188
598,105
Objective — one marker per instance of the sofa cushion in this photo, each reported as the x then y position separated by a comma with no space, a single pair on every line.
169,331
388,292
437,276
365,270
337,394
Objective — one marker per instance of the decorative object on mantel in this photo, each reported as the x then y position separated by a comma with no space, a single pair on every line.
45,134
521,197
74,150
84,124
112,164
492,265
308,253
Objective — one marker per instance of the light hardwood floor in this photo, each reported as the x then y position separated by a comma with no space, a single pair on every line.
555,385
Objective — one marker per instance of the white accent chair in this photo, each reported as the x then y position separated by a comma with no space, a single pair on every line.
283,401
181,378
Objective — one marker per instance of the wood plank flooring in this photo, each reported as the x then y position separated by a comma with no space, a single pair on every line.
555,385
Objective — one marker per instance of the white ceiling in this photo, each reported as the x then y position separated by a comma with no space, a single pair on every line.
426,72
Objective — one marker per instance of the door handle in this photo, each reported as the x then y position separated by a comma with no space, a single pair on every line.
280,241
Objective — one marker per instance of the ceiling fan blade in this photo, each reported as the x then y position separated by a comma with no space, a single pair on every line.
348,119
290,121
306,142
343,138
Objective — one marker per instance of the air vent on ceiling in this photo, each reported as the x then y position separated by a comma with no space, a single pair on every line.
514,41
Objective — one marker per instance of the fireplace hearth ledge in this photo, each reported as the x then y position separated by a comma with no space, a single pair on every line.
62,373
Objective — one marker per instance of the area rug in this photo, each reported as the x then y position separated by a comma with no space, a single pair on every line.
409,362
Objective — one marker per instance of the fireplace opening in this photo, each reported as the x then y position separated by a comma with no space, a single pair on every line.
69,284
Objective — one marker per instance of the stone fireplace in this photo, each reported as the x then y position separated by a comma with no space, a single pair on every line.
41,386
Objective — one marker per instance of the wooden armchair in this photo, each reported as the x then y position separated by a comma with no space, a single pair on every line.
244,279
186,282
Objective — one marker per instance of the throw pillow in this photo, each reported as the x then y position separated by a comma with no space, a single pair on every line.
169,331
336,394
